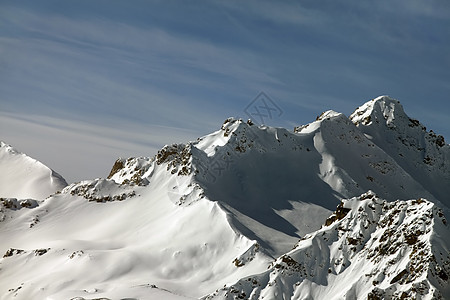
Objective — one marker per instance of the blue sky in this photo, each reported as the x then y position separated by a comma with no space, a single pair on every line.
84,82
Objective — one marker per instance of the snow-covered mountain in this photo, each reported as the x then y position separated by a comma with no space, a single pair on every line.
24,177
248,212
421,153
368,249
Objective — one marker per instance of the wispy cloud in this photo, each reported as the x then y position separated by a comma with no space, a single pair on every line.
192,65
286,12
120,68
75,148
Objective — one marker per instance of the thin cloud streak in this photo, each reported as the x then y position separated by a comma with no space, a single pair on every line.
191,66
155,55
161,47
93,147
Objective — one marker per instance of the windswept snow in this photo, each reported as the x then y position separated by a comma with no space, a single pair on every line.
245,212
24,177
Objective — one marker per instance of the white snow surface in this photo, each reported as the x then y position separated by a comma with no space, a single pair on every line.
423,154
24,177
370,249
240,214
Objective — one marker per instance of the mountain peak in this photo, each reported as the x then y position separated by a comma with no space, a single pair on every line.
421,153
8,148
326,116
382,109
25,177
329,114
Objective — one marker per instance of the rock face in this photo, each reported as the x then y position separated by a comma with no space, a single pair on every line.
378,250
424,155
246,212
24,177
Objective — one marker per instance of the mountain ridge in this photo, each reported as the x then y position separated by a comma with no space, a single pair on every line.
24,177
423,154
370,233
231,205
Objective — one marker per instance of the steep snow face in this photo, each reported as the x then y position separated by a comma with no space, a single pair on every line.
381,110
24,177
422,154
368,249
265,177
352,163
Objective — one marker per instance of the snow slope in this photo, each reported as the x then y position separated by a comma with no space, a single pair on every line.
24,177
267,177
228,209
99,238
421,153
369,249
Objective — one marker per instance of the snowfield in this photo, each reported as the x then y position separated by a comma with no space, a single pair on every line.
24,177
341,208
